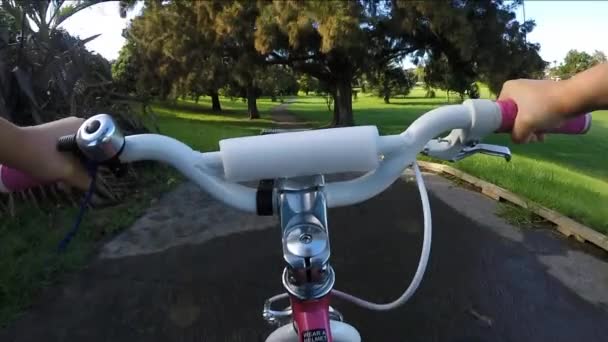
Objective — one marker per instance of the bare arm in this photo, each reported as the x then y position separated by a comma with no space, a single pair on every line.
11,136
586,91
32,150
545,104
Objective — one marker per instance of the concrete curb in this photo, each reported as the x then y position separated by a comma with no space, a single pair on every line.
564,225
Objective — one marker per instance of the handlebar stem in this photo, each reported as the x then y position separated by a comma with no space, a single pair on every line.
306,248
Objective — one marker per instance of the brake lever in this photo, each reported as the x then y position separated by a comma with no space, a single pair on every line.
491,150
452,150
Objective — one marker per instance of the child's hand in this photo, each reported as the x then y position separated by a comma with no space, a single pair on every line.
44,162
539,104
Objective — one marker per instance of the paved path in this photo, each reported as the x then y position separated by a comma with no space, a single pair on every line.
193,270
284,118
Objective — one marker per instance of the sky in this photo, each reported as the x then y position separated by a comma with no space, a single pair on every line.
101,18
565,25
560,26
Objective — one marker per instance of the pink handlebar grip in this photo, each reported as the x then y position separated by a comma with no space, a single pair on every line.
508,108
15,180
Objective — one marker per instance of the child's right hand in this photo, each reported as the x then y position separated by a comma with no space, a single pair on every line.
540,107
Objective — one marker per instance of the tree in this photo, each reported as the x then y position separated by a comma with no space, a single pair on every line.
277,81
178,51
439,73
307,83
473,91
126,68
330,40
420,73
204,78
477,39
155,36
599,57
235,26
391,81
336,41
575,62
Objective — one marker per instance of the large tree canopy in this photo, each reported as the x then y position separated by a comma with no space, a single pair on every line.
335,41
391,81
577,61
467,41
199,46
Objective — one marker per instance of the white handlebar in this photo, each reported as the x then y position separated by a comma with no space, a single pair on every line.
199,167
314,152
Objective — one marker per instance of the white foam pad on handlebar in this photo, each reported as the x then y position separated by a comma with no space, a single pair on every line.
303,153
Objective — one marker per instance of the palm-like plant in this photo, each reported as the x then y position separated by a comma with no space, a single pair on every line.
46,74
45,15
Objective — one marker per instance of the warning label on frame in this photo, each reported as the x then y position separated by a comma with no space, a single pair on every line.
316,335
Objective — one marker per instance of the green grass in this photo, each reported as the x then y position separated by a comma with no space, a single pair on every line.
28,257
195,124
519,217
566,173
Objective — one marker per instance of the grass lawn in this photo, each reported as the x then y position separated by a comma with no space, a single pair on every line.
195,124
566,173
28,257
29,260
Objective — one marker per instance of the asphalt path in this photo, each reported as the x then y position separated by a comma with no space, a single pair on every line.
486,280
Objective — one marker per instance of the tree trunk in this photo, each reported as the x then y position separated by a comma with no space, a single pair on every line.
343,104
386,98
252,107
163,93
215,102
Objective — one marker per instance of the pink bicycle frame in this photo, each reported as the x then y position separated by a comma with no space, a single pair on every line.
311,319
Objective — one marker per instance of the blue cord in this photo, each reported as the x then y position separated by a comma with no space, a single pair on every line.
63,244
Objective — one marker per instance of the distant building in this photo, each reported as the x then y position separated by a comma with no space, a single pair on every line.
549,75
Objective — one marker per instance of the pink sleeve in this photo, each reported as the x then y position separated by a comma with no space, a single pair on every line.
15,180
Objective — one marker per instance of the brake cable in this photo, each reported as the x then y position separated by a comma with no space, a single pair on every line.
420,270
424,256
92,170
